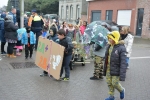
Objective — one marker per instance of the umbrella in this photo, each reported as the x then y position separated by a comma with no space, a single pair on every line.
94,23
95,33
108,23
111,23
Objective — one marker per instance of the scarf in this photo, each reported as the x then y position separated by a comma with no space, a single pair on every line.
123,36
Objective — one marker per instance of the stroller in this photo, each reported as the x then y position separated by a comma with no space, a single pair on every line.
78,55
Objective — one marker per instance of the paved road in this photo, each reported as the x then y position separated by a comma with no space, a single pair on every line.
26,84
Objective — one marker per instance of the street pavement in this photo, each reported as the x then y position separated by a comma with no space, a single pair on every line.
26,84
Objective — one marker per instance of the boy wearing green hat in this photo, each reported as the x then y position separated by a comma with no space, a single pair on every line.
115,65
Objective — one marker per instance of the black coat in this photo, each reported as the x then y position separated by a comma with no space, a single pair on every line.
18,17
67,43
10,30
118,64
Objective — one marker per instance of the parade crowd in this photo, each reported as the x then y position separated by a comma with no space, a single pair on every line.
110,60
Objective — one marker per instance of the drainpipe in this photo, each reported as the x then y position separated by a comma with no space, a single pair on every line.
88,11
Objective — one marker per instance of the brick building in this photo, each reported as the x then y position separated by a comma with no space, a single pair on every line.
144,5
134,13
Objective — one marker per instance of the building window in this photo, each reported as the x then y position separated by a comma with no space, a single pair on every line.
96,15
62,12
67,12
77,11
71,12
109,15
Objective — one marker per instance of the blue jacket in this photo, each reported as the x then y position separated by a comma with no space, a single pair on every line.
25,38
2,31
20,32
3,16
44,34
13,16
54,38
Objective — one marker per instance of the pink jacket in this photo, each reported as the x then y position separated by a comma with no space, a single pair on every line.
82,29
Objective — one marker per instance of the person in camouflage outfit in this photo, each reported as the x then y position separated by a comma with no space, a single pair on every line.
98,67
99,53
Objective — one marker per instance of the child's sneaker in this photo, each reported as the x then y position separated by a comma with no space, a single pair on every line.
65,79
50,76
3,53
110,98
42,75
60,79
18,54
122,94
30,56
94,78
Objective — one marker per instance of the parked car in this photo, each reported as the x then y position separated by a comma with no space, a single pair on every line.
51,17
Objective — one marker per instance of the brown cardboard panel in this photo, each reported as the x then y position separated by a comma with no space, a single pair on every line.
49,57
55,60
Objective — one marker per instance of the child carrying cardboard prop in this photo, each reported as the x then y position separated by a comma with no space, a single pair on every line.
49,57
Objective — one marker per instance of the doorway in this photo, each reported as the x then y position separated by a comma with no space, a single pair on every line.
139,21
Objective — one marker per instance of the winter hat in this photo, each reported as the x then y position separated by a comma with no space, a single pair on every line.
114,35
74,42
114,28
34,10
9,18
54,20
105,24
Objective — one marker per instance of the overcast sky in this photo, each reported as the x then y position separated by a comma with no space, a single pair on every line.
3,3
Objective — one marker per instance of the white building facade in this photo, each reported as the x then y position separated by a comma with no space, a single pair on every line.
70,10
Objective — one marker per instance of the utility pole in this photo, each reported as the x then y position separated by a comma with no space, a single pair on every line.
22,13
15,4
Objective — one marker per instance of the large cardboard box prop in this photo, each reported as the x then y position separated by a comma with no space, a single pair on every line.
49,57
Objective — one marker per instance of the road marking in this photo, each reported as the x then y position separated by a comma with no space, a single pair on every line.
140,57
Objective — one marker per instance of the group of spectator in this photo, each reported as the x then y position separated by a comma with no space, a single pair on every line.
116,53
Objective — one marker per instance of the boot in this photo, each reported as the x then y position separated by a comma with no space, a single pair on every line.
12,56
8,55
110,98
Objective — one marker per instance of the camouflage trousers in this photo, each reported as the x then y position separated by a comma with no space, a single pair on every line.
98,66
81,51
113,83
